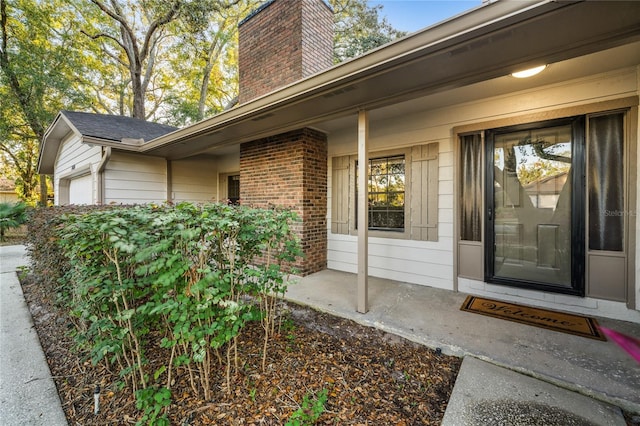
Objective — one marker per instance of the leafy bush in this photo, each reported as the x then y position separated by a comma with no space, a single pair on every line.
48,262
194,275
310,410
152,402
12,215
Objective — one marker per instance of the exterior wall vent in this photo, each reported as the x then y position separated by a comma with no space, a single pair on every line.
340,91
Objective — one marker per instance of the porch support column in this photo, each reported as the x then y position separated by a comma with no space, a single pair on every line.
106,156
363,216
169,181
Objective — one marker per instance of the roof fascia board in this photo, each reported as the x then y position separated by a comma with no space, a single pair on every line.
69,123
456,29
92,140
52,126
50,144
47,168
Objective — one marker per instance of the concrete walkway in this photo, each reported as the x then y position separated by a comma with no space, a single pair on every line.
485,394
600,370
28,395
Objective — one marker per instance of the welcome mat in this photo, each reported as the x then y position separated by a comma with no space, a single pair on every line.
558,321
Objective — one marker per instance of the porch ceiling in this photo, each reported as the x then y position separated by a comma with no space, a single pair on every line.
609,60
487,45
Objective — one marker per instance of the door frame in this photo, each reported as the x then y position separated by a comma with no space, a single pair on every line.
578,208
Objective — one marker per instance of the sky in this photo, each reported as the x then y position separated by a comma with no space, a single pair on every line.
412,15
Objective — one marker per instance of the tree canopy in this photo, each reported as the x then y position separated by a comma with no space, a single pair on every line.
38,67
170,61
359,28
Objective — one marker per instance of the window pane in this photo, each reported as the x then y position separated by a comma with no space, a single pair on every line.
606,182
532,205
386,193
377,183
471,188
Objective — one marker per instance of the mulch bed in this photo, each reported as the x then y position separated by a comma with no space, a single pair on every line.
371,377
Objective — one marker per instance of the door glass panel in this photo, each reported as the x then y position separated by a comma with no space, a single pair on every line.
532,205
606,182
471,187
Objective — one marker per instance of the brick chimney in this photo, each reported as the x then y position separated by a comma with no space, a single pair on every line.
282,42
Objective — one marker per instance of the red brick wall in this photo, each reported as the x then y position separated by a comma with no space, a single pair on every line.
290,170
317,37
281,43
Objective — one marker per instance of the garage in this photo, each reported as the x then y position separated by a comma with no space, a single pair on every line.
81,190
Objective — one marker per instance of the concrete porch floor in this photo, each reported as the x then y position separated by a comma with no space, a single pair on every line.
433,317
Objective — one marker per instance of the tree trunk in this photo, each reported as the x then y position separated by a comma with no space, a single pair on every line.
204,88
43,191
138,95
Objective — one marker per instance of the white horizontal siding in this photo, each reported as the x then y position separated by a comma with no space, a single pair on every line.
194,180
445,201
135,179
409,277
127,196
418,262
120,172
445,216
140,186
432,263
124,162
74,156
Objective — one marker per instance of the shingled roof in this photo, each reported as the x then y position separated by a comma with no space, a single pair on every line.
115,127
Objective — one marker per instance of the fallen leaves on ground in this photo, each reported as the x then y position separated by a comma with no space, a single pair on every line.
371,377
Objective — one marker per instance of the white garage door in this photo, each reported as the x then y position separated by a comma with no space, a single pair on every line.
81,190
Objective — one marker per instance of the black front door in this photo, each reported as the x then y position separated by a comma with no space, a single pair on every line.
535,206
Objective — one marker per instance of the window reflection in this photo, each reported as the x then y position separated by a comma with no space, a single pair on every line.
386,193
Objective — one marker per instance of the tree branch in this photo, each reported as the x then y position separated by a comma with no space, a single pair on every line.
116,15
3,27
156,25
103,35
150,64
14,83
16,161
538,148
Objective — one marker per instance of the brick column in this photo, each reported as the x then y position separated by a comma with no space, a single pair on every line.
290,170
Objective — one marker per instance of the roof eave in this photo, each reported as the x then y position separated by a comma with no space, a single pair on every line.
50,143
58,130
341,75
122,145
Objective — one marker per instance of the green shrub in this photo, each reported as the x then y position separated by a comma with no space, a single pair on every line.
310,410
12,215
152,401
193,274
48,262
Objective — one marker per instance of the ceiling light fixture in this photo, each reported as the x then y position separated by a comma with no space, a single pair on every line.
529,72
